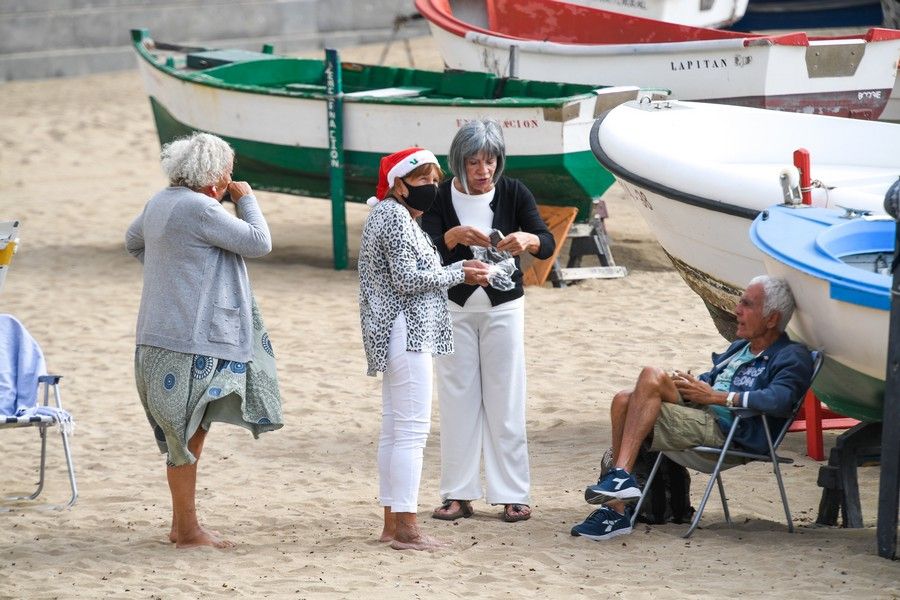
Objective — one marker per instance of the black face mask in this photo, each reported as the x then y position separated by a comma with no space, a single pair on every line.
421,197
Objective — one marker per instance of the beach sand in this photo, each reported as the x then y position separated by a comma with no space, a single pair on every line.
78,159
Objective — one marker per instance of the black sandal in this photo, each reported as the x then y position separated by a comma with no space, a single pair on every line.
463,512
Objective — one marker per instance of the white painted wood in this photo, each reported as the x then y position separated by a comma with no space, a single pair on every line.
713,13
696,70
854,335
368,126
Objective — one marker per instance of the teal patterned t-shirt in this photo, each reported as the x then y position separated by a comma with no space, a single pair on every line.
723,382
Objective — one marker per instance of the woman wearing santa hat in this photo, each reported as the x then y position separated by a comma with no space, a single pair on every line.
481,387
404,318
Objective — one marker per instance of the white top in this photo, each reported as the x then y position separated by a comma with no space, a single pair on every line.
475,211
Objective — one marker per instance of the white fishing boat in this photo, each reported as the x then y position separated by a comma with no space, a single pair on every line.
839,272
700,173
552,40
273,111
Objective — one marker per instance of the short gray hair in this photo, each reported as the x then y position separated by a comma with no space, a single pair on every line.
196,161
777,297
478,135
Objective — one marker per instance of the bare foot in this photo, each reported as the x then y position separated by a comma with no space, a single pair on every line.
386,536
420,542
173,536
201,537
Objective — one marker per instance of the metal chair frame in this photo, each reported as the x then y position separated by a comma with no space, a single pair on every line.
43,423
699,457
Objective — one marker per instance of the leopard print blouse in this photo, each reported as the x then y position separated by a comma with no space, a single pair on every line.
400,270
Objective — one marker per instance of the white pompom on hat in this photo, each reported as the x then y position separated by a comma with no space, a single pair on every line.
399,164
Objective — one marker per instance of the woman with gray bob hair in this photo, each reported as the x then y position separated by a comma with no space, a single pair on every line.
202,354
475,137
481,386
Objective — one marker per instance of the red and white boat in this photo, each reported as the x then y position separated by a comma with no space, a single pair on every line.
559,41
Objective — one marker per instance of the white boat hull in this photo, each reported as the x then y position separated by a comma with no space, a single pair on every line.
855,336
368,127
714,70
698,179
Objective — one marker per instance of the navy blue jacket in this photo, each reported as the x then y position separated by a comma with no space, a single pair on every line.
514,210
772,383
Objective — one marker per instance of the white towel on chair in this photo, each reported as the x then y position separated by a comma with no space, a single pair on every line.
21,363
62,417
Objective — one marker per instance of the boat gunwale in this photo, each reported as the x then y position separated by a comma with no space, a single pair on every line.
205,79
677,195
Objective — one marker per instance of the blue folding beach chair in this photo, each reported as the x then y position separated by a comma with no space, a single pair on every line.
23,381
712,460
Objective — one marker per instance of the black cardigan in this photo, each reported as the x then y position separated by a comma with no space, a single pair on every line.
514,210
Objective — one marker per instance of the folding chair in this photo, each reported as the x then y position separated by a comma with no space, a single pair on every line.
713,461
21,382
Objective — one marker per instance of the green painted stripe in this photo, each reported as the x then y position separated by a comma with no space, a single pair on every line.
573,179
849,392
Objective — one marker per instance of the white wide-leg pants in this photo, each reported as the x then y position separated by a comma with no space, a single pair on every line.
405,422
481,390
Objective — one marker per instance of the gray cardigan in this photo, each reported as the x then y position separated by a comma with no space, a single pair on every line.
196,297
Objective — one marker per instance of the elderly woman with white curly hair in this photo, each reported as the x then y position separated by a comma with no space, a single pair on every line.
202,353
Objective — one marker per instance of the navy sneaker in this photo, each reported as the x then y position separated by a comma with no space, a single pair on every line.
603,524
617,484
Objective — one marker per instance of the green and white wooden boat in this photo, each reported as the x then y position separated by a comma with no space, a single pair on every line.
272,110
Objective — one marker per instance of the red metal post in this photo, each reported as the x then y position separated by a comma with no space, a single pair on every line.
801,161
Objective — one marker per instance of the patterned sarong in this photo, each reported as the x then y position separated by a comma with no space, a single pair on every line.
181,392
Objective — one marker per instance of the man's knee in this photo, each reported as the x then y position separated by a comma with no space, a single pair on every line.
651,376
620,400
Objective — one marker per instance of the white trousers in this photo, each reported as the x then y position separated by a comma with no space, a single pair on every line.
481,390
405,422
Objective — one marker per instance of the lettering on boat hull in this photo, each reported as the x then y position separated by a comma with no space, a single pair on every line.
698,64
509,123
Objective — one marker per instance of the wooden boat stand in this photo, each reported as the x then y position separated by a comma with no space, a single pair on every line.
586,239
858,446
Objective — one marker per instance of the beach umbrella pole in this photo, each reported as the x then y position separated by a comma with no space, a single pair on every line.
335,116
889,486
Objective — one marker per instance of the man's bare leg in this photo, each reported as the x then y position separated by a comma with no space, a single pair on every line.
407,535
654,386
183,486
390,526
617,412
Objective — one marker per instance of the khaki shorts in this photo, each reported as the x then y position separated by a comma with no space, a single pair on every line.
680,426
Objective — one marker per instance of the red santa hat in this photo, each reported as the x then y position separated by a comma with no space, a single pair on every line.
399,164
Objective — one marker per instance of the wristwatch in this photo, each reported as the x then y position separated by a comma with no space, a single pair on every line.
729,401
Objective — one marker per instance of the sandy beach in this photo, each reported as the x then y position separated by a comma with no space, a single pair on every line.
78,160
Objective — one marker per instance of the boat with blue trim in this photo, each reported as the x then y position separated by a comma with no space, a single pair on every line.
839,271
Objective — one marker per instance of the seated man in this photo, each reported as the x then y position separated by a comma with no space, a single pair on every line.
762,370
